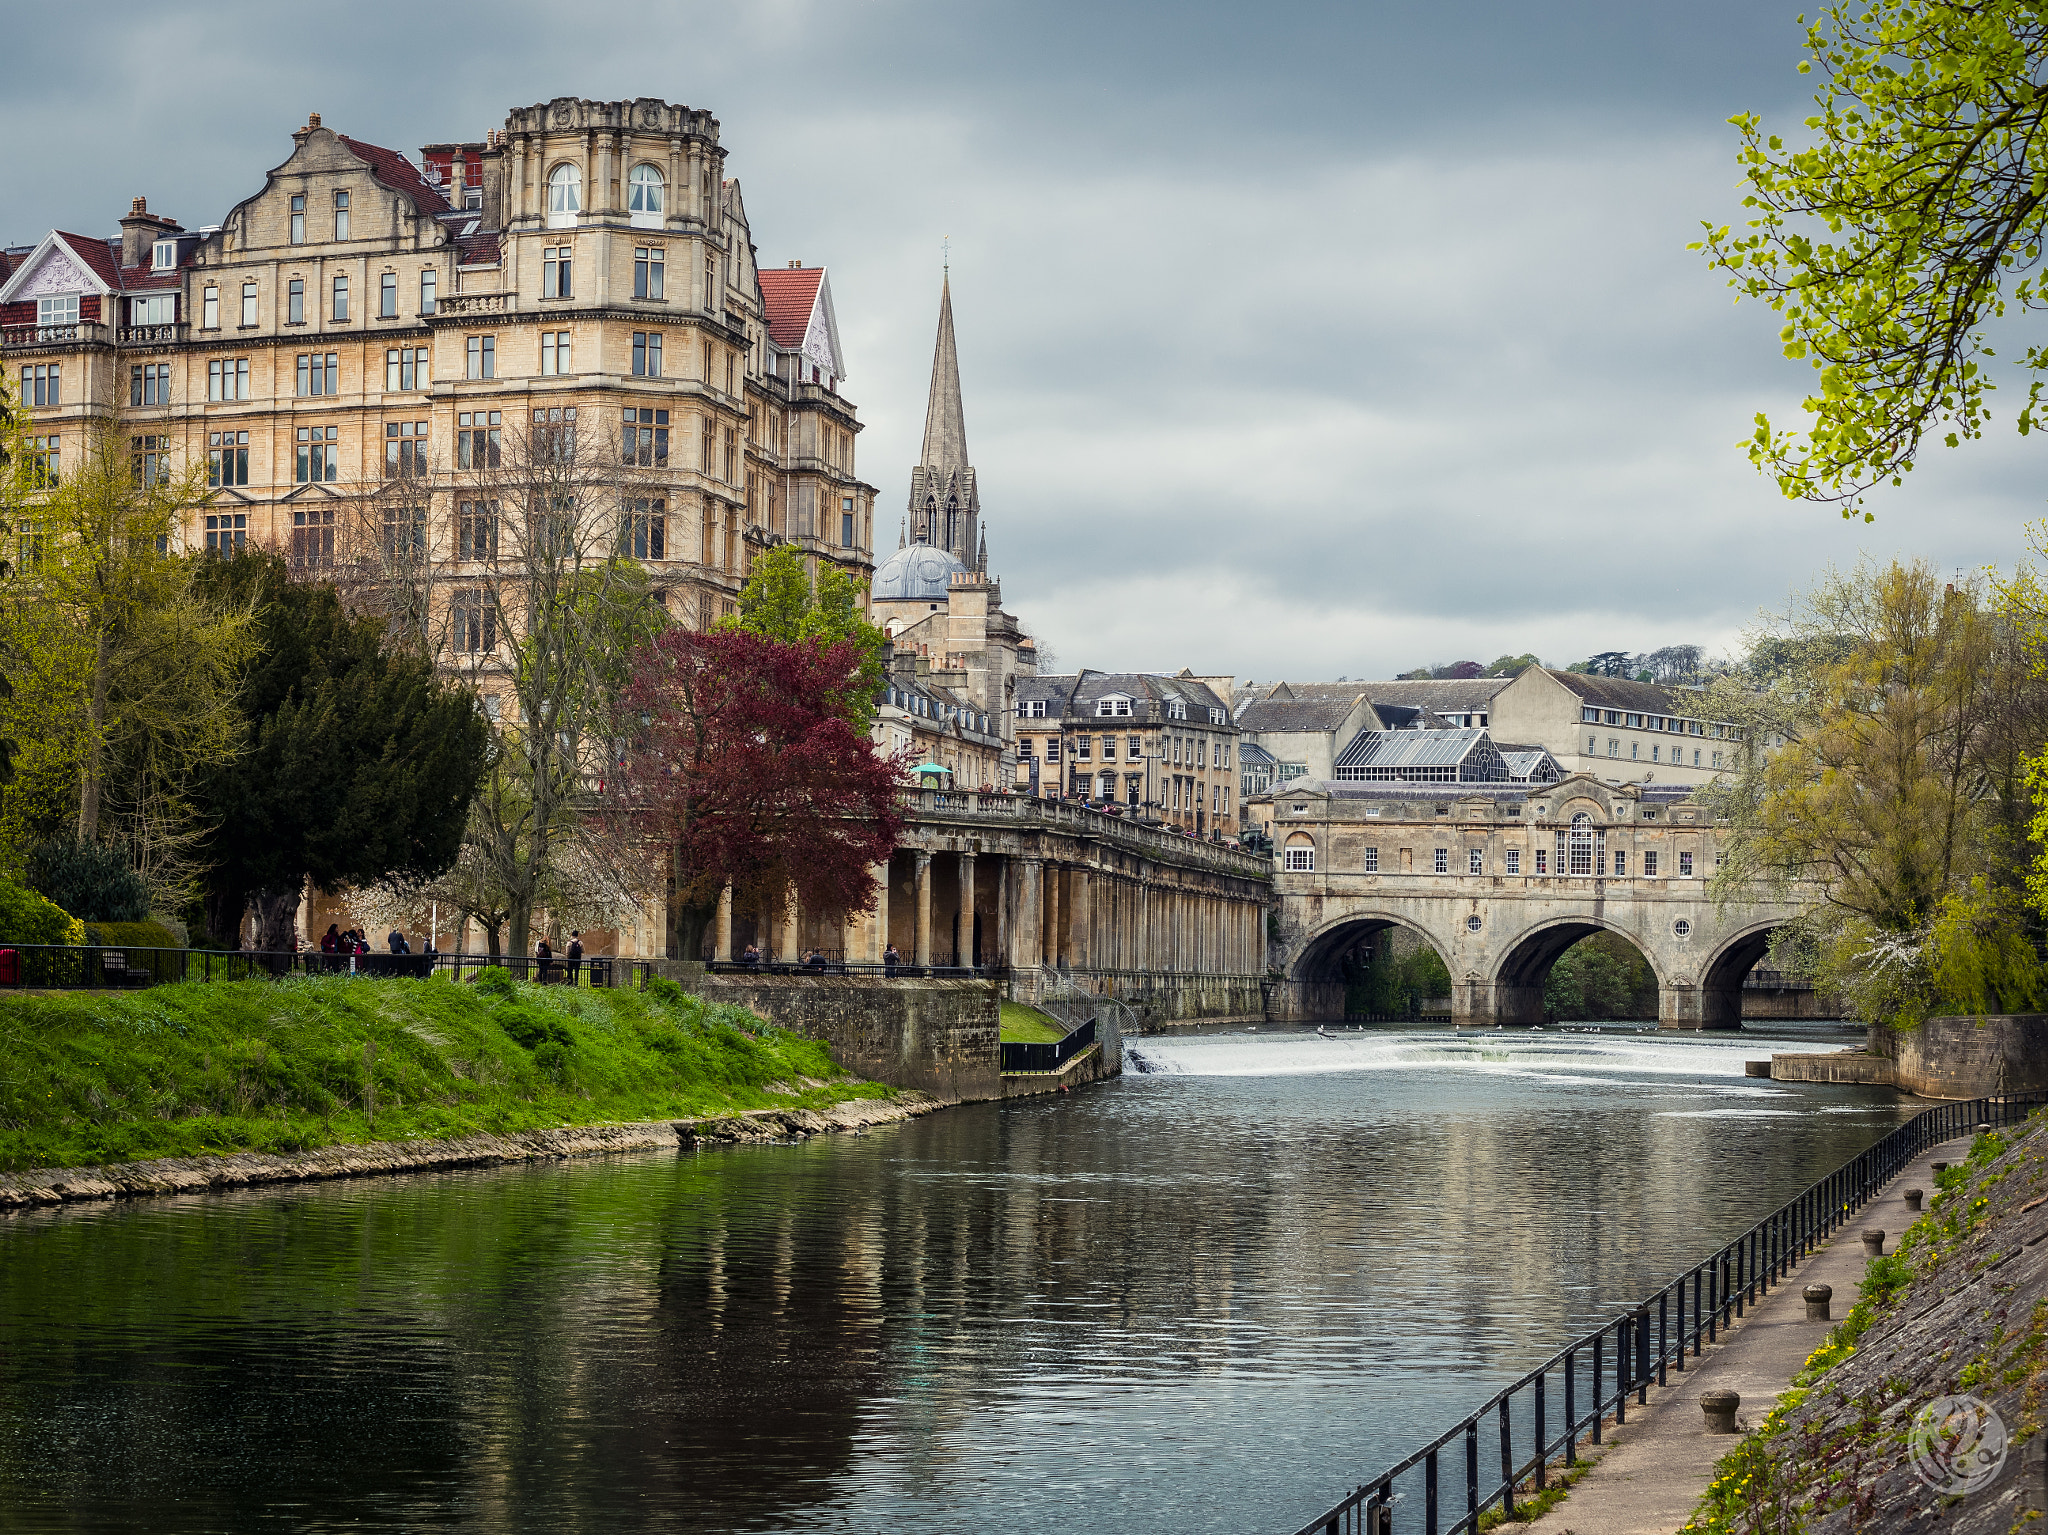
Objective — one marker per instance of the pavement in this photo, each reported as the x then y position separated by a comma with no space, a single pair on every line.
1651,1472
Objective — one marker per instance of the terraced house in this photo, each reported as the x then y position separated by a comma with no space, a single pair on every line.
1158,748
371,352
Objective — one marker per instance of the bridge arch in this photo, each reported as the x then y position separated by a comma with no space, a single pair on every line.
1724,969
1320,956
1526,958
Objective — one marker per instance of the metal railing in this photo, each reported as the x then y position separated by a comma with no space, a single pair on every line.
1508,1445
829,965
1049,1056
115,967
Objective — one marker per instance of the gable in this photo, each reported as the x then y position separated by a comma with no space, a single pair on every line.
54,266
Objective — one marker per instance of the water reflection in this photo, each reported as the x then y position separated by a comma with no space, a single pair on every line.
1203,1298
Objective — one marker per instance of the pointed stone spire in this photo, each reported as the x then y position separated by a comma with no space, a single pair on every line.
981,557
903,534
945,422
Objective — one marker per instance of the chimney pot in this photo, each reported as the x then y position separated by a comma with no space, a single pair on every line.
137,205
796,263
312,119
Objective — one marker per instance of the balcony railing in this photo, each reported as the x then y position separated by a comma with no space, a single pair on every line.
52,335
464,305
1022,810
149,335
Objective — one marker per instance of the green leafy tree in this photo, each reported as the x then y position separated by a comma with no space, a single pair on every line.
1512,666
358,762
1906,218
780,602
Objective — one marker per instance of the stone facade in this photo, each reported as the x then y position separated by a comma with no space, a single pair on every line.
1161,749
1501,879
365,326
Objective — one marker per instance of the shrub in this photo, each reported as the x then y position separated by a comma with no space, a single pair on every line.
495,981
132,935
26,917
92,881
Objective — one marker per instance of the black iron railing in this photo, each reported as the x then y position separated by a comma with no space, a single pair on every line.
1048,1057
1508,1445
827,965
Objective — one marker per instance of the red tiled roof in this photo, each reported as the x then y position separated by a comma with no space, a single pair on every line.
136,279
399,174
97,252
791,294
479,249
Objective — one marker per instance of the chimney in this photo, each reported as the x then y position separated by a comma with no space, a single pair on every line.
312,122
141,230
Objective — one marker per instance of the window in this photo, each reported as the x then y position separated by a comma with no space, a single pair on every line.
298,235
226,532
483,357
156,309
710,450
643,534
1109,748
319,373
731,470
1033,708
846,522
1542,861
339,309
1717,760
557,277
554,436
647,357
1177,709
405,529
42,462
1052,748
150,459
477,439
1620,863
1119,708
1514,860
647,271
295,302
1372,860
1576,857
42,384
163,255
405,368
150,384
554,352
565,196
1655,749
427,291
1475,861
1695,756
1613,747
405,449
319,458
1592,745
644,189
1082,745
1682,928
1685,866
1301,855
1635,750
1649,865
476,530
643,438
387,296
227,462
209,309
341,215
248,304
1443,860
313,536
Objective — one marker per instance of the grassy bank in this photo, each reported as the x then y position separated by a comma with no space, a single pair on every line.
311,1061
1026,1025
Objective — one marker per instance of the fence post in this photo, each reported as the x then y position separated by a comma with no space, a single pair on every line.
1472,1472
1664,1332
1542,1450
1622,1368
1507,1460
1429,1494
1571,1408
1599,1338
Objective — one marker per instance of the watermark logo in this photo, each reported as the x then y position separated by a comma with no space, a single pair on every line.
1958,1444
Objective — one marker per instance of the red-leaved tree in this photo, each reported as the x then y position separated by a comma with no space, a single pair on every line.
741,761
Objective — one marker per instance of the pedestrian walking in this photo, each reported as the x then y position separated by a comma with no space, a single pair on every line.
575,966
398,943
544,959
890,960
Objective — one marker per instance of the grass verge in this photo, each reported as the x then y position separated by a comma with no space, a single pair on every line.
1026,1025
307,1061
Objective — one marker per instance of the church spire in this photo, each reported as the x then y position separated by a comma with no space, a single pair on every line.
945,423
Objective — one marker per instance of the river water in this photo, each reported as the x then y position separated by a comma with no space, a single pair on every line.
1210,1296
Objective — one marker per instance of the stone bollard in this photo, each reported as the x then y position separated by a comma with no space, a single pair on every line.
1940,1168
1873,1243
1817,1298
1719,1406
1983,1129
1913,1198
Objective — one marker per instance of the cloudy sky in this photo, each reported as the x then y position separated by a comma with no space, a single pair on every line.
1297,341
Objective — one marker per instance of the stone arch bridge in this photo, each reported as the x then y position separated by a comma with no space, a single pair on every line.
1501,879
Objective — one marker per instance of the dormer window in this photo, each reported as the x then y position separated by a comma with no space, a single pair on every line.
1113,708
163,256
1177,709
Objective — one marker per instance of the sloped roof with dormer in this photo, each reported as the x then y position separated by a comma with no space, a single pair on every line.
398,173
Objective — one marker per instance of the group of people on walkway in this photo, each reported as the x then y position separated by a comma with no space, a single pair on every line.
571,963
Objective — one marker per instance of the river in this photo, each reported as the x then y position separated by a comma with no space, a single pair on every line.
1210,1296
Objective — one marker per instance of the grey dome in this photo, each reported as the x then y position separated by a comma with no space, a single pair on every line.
917,573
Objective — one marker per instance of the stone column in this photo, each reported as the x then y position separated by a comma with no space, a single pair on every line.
1081,936
1025,942
964,950
790,927
879,938
924,908
999,939
724,949
1052,915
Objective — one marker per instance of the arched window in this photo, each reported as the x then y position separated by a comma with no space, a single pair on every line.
952,523
1579,845
1300,854
645,191
565,195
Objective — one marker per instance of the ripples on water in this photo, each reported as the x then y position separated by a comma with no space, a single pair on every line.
1207,1297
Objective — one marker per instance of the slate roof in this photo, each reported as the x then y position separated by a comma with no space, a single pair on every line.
1462,695
399,174
1148,691
1251,754
1297,714
790,295
1621,693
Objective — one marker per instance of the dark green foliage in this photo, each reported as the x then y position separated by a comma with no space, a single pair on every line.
360,762
1393,977
1600,977
26,917
180,1070
132,935
91,881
